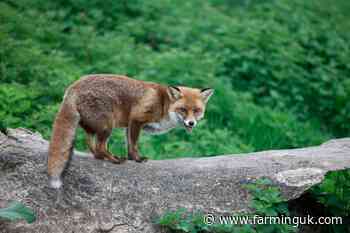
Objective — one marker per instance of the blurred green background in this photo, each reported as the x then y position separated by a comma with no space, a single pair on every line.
280,69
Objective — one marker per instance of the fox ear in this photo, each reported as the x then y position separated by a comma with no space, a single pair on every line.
206,93
174,93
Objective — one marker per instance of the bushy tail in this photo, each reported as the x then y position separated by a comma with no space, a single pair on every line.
62,139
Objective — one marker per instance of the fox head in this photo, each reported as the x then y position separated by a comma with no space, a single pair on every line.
187,105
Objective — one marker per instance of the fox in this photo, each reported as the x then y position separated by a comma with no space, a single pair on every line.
101,102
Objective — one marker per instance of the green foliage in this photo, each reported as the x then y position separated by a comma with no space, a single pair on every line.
334,193
17,211
41,56
266,201
299,62
181,221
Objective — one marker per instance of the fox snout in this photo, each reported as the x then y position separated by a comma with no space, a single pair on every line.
190,124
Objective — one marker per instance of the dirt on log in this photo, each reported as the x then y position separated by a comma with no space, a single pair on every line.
99,196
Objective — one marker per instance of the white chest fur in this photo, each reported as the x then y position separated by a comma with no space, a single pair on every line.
163,126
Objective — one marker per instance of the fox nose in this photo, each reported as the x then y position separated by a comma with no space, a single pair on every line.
190,123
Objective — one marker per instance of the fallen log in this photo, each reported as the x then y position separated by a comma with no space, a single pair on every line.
99,196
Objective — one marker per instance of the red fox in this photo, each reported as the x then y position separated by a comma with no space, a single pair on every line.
99,103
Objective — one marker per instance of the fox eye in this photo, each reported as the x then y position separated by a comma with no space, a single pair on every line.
183,110
197,110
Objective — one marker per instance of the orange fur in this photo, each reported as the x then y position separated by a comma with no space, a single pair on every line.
99,103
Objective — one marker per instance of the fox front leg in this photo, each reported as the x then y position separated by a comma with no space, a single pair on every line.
132,133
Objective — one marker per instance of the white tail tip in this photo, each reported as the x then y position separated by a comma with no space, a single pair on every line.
55,182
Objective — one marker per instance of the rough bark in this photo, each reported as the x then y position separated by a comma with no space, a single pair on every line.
99,195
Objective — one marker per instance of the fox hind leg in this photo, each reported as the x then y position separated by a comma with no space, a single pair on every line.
102,150
91,143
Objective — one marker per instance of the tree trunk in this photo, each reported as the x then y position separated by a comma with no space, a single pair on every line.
99,196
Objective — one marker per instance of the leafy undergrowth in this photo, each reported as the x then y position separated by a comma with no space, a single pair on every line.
17,211
279,69
334,194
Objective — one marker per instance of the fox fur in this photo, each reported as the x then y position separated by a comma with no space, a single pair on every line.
99,103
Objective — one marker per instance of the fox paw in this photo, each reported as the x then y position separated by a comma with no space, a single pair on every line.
137,158
117,160
141,159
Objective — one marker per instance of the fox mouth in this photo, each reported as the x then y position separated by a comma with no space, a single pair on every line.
188,128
